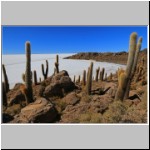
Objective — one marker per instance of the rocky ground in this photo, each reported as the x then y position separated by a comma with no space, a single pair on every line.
60,100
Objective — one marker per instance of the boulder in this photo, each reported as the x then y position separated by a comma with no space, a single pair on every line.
40,111
60,84
71,99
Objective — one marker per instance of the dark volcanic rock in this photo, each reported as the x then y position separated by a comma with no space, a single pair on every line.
40,111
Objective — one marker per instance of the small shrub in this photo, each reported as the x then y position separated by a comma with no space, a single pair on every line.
115,112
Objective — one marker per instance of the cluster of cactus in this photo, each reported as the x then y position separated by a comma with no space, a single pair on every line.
45,72
28,75
5,79
102,74
125,78
89,79
57,64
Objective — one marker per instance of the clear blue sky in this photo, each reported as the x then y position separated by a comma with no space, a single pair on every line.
69,39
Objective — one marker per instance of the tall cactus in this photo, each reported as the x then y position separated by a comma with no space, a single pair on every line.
84,78
97,73
4,94
28,77
127,75
45,73
57,64
89,79
35,77
138,48
5,79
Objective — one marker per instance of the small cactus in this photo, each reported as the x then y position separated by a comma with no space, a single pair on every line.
105,76
40,80
84,78
5,79
57,64
74,79
35,77
28,76
97,73
102,74
89,80
45,73
78,81
121,86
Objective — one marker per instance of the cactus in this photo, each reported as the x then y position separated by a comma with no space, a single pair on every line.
4,94
57,64
45,73
74,79
40,80
105,76
89,79
5,79
84,78
125,77
110,76
35,77
97,73
138,48
78,79
102,74
28,76
121,86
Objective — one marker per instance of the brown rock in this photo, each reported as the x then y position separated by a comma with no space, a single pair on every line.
71,99
40,111
60,84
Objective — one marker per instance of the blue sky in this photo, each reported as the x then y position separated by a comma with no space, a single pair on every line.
69,39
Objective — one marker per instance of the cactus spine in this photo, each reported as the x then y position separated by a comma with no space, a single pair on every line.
35,77
57,64
84,78
5,79
97,73
45,73
28,76
127,75
89,79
